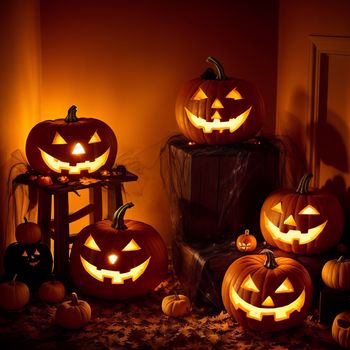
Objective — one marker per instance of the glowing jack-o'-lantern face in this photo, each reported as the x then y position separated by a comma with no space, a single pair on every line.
117,260
264,293
73,147
302,221
219,110
246,242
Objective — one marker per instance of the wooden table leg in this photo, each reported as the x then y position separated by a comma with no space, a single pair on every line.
115,198
61,240
95,195
44,214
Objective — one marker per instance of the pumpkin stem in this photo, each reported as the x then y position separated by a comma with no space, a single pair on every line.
72,115
25,220
303,187
341,259
74,299
246,232
270,262
118,217
220,69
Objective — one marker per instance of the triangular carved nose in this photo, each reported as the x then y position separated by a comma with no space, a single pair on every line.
290,221
268,302
78,149
217,104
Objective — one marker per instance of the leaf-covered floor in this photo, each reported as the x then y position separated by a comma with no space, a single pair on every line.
140,324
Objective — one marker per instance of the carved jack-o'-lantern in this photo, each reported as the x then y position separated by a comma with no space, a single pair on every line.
302,221
219,110
341,329
31,263
246,242
267,294
71,146
118,260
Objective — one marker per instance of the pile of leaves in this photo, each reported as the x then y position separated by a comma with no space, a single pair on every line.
141,324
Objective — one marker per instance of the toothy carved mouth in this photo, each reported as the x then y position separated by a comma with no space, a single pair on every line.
116,276
280,313
232,124
58,165
291,235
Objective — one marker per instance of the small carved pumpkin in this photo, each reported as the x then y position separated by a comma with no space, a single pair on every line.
14,295
176,305
267,294
117,259
28,232
73,314
336,272
31,263
246,242
52,291
72,147
341,329
303,221
219,110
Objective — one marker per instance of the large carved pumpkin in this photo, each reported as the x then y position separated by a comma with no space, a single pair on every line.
117,259
267,294
71,146
216,109
304,221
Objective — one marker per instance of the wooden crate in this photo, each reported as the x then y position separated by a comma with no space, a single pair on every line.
217,191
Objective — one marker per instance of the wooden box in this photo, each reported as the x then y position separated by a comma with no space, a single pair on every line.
332,302
216,192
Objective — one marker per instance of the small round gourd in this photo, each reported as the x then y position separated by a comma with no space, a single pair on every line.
28,232
52,291
176,305
73,314
335,273
13,295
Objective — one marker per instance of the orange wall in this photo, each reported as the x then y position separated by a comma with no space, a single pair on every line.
124,62
298,19
19,96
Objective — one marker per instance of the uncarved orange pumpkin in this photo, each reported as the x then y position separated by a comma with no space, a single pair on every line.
336,273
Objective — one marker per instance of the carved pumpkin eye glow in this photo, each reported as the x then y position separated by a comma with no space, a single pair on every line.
131,246
199,95
25,254
78,149
278,208
234,94
58,140
90,243
285,287
309,210
95,138
248,284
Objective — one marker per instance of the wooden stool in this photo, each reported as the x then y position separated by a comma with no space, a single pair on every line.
57,228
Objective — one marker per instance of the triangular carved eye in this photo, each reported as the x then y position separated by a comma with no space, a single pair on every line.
309,210
36,252
131,246
95,138
199,95
234,94
285,287
25,254
278,208
90,243
248,284
58,140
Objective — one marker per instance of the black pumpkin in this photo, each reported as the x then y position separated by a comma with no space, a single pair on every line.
32,263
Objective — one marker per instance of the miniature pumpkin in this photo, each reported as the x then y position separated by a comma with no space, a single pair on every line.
14,294
117,259
303,221
71,146
176,305
73,314
28,232
219,110
246,242
341,329
31,263
265,293
52,291
335,273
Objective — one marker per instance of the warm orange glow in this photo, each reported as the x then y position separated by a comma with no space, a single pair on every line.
113,258
131,246
278,208
309,210
199,95
78,149
291,235
90,243
290,221
217,104
58,140
234,94
248,284
95,138
285,287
